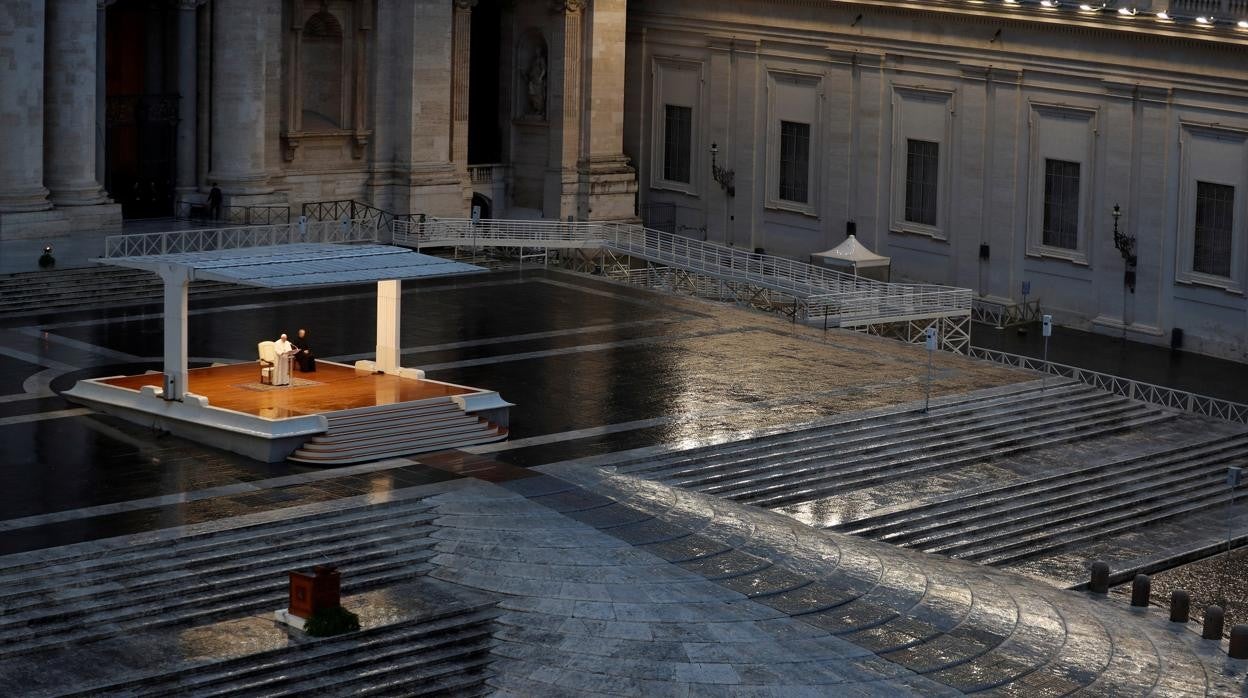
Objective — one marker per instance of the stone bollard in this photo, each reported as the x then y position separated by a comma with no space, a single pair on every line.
1180,606
1239,642
1141,589
1213,623
1100,578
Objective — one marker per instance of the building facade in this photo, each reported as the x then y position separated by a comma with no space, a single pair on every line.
980,145
121,109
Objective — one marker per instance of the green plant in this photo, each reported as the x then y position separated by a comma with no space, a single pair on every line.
332,621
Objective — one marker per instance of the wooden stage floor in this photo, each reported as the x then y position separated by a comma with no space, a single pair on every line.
331,388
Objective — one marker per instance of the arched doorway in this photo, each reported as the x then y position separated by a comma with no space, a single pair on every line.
487,209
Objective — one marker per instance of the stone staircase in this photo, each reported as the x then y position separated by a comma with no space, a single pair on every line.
34,293
388,431
863,450
73,595
1002,524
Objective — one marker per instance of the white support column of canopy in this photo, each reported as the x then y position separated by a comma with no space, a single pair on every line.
177,280
389,317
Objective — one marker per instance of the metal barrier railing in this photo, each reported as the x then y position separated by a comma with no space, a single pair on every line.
1136,390
207,239
828,294
260,214
1002,315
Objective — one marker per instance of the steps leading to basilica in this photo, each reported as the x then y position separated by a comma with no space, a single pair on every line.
32,293
389,431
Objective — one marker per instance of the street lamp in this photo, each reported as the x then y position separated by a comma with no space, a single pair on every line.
1126,246
722,175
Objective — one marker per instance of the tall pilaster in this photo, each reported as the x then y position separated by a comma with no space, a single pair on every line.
608,185
188,108
461,39
238,97
69,144
21,108
101,98
562,178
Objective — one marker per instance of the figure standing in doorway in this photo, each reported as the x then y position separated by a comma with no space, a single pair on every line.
214,202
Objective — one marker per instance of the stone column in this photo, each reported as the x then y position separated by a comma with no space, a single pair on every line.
69,145
238,97
564,111
461,39
188,107
608,185
101,90
21,107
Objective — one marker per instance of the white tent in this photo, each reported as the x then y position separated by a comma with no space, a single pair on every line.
853,257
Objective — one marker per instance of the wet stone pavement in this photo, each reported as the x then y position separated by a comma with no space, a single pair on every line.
605,583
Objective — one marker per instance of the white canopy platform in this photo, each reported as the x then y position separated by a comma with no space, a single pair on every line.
284,267
855,256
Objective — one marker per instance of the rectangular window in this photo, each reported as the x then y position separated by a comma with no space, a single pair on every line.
677,143
795,162
922,165
1061,204
1215,204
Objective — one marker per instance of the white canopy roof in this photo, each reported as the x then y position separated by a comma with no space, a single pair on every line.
303,265
853,253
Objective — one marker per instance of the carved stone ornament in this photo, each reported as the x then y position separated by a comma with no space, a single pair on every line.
464,4
568,6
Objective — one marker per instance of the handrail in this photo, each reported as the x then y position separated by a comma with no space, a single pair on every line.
208,239
1159,395
820,292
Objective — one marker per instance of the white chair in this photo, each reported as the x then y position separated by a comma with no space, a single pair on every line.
268,361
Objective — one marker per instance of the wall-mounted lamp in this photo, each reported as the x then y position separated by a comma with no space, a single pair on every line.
1126,246
722,175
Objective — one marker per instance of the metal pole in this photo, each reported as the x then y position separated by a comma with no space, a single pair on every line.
927,392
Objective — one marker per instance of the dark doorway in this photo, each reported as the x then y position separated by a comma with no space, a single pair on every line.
141,115
487,210
484,127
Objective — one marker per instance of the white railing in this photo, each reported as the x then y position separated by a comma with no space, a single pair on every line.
208,239
830,294
1136,390
1001,315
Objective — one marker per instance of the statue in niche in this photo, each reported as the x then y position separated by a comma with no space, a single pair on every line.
536,83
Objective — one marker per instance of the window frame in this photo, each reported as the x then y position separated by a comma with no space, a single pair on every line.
663,94
806,160
688,145
779,110
906,126
1062,147
1230,170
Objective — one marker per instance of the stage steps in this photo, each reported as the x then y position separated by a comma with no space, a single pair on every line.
1004,524
859,452
389,431
37,292
86,596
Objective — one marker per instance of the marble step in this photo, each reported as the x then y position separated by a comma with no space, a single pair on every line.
817,487
428,417
882,526
933,441
780,443
964,402
934,527
52,568
116,593
463,636
874,444
1214,495
1053,520
266,596
232,562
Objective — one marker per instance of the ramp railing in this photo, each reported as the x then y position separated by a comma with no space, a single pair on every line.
208,239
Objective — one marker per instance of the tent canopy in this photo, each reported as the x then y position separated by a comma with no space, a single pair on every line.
850,253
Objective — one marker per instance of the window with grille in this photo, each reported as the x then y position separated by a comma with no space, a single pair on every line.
1215,204
677,143
922,161
1061,204
795,162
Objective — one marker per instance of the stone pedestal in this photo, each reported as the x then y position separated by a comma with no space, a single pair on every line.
609,189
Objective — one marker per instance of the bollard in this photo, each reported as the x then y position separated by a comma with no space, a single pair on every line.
1180,606
1100,578
1141,589
1213,623
1239,642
